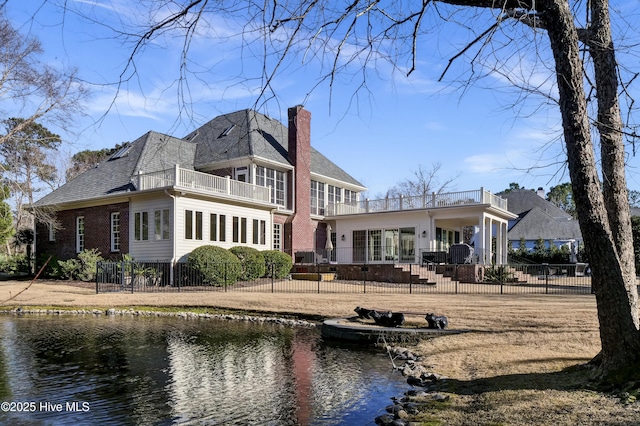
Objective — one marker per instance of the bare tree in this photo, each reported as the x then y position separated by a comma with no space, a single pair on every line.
422,183
32,89
573,37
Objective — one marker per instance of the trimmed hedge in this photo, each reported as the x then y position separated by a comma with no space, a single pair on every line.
218,266
278,264
253,266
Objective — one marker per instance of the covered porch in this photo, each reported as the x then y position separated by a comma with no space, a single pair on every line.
423,233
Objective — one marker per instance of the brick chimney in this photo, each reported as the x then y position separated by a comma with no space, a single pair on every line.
299,228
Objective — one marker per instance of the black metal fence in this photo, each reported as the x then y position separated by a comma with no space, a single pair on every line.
331,278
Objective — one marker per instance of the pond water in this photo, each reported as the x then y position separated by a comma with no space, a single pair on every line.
162,371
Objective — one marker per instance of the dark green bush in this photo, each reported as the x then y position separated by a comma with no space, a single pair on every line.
14,264
51,269
253,266
217,266
278,264
83,268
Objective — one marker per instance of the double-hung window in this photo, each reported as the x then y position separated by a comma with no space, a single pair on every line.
141,226
115,231
161,219
79,234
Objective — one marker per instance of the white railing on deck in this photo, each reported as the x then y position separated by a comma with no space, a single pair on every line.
204,182
430,201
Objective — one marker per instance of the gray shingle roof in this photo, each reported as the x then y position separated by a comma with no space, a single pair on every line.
539,224
151,152
523,200
248,133
238,135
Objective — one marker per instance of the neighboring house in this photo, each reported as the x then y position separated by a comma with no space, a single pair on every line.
240,179
538,219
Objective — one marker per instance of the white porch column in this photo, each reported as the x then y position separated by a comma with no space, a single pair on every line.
432,234
488,233
500,249
480,239
505,242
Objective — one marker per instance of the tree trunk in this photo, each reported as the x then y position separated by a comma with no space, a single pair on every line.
611,278
609,124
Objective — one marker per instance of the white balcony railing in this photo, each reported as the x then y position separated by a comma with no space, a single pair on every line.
430,201
203,182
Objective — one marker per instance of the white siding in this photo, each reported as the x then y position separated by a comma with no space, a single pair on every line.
151,249
185,246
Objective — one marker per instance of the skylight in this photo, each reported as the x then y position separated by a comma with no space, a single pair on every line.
227,131
121,152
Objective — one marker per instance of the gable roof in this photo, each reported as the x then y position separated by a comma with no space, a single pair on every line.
537,223
150,152
520,201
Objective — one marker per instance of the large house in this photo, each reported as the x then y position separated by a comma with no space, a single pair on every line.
240,179
246,179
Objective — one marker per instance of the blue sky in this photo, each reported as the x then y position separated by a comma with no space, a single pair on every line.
479,133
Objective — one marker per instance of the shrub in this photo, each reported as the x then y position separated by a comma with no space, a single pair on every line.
68,269
14,264
216,265
51,269
252,261
82,268
278,264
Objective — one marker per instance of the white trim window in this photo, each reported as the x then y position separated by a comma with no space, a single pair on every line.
79,234
350,197
277,236
161,219
334,194
276,180
115,231
52,232
317,198
141,226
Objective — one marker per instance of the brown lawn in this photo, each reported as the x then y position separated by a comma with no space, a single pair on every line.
517,366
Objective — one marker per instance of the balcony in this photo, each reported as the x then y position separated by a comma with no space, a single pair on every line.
191,180
431,201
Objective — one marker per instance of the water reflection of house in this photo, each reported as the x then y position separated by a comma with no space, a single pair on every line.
246,179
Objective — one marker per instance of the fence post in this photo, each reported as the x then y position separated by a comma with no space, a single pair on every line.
318,272
411,277
133,277
180,273
364,278
273,271
97,269
546,278
122,283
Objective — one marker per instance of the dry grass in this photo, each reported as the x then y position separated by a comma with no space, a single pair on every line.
517,367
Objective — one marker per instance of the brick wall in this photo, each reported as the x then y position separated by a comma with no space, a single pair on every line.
300,229
97,225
